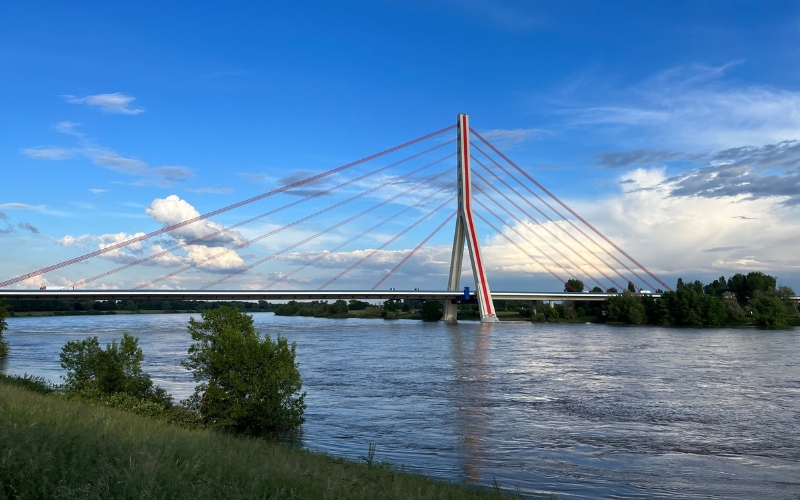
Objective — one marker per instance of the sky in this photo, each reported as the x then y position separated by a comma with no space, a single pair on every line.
672,127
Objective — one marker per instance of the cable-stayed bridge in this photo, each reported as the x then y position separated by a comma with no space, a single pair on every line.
409,192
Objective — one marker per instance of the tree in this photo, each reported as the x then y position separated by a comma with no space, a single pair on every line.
770,311
573,285
390,306
613,290
751,286
94,371
248,383
631,287
716,287
597,289
337,308
3,326
626,308
357,305
431,310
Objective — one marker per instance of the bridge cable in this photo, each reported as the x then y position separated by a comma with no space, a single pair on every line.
557,264
257,217
287,226
570,210
562,217
412,252
335,226
557,277
178,225
351,240
392,240
479,176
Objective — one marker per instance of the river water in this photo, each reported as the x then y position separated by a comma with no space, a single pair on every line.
584,411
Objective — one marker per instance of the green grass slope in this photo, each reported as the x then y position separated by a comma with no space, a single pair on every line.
53,448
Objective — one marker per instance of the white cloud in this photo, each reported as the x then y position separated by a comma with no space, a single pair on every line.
21,206
110,103
97,191
691,107
163,176
228,261
212,190
172,210
49,153
508,139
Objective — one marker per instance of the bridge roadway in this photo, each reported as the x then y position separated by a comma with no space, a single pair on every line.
275,295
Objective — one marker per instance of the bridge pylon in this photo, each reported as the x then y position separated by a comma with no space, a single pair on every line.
465,232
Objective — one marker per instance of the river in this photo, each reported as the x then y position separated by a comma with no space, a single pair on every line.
584,411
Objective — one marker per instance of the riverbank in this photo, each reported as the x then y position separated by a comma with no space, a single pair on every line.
54,448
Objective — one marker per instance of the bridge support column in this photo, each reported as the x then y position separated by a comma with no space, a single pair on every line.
466,232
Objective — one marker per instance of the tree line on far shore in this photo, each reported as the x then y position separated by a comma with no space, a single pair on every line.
743,298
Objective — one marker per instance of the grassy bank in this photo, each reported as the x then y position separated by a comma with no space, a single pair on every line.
51,447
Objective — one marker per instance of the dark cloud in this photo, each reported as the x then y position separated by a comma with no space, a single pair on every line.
734,180
784,155
27,226
307,192
625,159
296,176
724,249
9,228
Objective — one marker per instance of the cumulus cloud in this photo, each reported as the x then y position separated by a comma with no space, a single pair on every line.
172,210
117,102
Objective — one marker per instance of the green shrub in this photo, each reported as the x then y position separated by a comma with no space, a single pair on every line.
338,308
247,383
625,308
432,310
769,311
30,382
549,313
92,370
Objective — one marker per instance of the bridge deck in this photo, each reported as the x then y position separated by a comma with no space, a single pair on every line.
286,295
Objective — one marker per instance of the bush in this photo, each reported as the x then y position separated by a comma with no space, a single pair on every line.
289,309
248,383
93,372
30,382
3,326
769,311
626,308
338,308
432,310
549,313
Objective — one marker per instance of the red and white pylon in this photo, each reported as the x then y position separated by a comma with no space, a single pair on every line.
465,230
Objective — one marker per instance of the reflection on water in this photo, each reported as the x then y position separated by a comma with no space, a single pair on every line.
585,411
470,390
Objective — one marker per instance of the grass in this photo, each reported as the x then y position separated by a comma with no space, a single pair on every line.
51,447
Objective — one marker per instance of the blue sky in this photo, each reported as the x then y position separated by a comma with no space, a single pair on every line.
669,125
